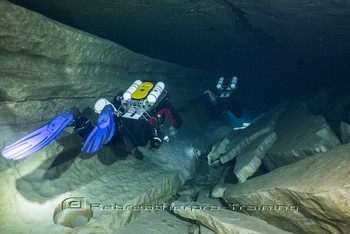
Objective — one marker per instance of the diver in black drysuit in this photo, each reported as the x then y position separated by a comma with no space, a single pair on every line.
115,123
224,98
132,133
223,105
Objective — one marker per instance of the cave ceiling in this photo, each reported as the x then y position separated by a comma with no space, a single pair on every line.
265,41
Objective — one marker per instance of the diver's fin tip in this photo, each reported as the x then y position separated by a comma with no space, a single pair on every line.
37,139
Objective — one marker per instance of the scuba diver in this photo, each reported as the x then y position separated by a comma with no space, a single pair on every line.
226,97
134,118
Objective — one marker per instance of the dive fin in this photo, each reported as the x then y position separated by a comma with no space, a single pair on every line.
38,139
103,131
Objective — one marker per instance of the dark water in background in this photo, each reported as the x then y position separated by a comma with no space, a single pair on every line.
268,72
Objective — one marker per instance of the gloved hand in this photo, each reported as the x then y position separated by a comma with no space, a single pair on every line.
211,97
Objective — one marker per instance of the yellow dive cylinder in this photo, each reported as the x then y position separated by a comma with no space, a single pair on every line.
142,90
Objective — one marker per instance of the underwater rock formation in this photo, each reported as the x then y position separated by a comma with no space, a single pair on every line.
345,132
309,196
47,67
234,143
161,222
118,192
334,104
223,220
244,36
249,160
300,134
73,217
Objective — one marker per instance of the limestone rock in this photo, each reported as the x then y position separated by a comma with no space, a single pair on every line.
234,143
158,222
300,134
249,160
44,180
334,104
187,194
204,230
224,220
218,149
214,173
205,198
192,192
323,101
185,198
193,229
47,67
74,213
345,132
218,191
309,196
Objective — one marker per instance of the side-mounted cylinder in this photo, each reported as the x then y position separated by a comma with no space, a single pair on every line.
220,82
233,84
155,93
131,89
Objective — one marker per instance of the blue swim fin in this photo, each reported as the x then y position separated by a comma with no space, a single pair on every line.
103,131
39,138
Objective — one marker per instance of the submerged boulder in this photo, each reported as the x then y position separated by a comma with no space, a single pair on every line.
234,143
309,196
300,134
223,220
249,160
162,222
334,104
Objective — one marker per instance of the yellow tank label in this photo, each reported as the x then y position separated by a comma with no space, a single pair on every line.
142,91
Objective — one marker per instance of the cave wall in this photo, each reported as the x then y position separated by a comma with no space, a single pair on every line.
277,48
187,32
47,67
